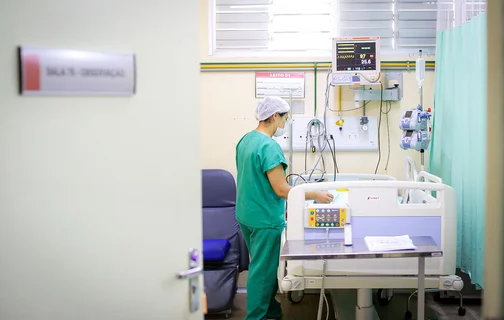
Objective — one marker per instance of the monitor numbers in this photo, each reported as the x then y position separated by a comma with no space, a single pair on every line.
364,61
357,56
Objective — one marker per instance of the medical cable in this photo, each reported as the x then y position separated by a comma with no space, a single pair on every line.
388,133
312,171
323,135
294,174
327,309
369,80
318,138
321,157
310,136
350,110
322,288
321,132
305,172
379,127
315,136
333,152
322,293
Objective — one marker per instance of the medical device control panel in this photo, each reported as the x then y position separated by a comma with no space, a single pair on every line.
326,218
416,131
415,119
416,140
328,215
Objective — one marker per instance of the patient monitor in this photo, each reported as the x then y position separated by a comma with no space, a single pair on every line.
356,61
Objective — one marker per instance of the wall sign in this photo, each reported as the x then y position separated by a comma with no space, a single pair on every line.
280,84
44,71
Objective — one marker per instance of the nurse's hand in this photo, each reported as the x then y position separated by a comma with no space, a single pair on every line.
323,197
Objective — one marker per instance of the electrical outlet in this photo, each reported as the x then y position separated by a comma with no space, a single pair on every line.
351,136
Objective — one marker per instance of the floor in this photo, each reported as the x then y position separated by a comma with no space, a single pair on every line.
444,309
307,309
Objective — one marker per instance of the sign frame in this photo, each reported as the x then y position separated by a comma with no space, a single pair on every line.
287,82
71,72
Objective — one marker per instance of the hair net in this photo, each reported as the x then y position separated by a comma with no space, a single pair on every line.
269,106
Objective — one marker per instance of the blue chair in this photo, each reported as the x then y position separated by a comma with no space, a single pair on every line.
225,253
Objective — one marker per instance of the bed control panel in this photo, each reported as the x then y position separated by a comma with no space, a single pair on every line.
326,217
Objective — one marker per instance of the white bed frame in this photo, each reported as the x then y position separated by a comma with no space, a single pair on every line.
400,273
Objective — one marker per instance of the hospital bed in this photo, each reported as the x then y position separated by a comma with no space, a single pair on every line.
377,205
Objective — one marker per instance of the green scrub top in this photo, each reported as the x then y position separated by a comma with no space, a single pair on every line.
257,205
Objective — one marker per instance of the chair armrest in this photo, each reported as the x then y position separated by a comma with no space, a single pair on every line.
215,250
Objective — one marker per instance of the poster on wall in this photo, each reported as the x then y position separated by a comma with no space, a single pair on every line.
280,84
53,72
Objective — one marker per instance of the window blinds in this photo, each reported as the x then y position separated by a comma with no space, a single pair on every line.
367,18
415,24
284,25
273,25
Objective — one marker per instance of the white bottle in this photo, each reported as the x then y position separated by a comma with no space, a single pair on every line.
348,234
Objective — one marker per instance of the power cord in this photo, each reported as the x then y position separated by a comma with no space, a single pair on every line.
320,138
388,133
333,153
300,176
315,136
379,127
295,174
326,138
322,293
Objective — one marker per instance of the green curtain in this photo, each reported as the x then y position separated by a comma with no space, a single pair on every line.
458,149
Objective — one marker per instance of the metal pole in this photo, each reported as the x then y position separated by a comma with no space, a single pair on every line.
291,135
422,154
421,289
421,87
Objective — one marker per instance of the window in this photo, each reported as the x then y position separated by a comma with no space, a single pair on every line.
308,25
415,24
271,25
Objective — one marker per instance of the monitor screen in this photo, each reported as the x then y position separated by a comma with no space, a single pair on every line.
356,56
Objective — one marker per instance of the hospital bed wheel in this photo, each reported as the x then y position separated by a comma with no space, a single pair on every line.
295,297
408,315
462,311
383,297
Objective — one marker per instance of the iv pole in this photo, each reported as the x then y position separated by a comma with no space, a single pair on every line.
290,138
291,161
422,151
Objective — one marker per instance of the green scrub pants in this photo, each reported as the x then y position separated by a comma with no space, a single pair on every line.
262,285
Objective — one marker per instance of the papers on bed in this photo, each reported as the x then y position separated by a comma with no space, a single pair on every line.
340,198
375,244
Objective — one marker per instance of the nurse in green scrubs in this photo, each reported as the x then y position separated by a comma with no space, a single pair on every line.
261,192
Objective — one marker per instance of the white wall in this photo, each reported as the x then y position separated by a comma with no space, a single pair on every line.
77,173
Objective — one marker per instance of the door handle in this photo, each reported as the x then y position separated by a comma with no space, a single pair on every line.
191,273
